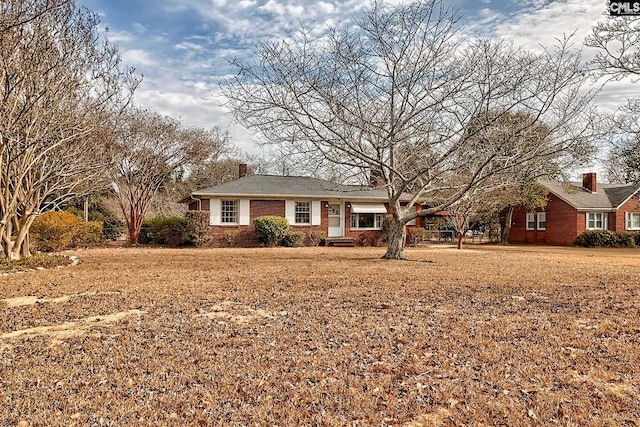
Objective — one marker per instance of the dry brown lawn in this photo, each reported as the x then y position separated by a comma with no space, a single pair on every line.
486,336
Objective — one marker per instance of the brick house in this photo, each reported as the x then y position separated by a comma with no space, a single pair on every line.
335,210
575,207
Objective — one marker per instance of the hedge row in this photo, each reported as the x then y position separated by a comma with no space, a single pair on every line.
176,231
55,231
607,239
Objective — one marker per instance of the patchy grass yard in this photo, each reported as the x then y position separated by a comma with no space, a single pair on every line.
324,336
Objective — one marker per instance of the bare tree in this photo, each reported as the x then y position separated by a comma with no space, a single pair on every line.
623,160
618,41
151,149
60,84
396,93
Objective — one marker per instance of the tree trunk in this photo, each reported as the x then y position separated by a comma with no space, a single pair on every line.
396,238
134,231
460,236
506,230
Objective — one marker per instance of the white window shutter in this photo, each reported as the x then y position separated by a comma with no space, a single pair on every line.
316,209
244,214
290,211
214,211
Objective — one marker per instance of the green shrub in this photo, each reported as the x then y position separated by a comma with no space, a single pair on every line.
165,231
604,239
197,227
54,231
112,228
314,237
626,240
293,239
271,229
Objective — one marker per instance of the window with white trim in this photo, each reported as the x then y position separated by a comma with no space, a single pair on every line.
633,220
303,213
542,221
371,221
229,211
596,221
531,221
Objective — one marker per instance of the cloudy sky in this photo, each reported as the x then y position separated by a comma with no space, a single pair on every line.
182,46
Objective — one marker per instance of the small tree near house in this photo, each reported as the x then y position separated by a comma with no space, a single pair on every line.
150,149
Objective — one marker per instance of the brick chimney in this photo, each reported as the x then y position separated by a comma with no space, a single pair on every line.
242,170
589,182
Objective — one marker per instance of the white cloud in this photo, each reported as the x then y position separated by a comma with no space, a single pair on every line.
188,46
541,26
138,57
139,27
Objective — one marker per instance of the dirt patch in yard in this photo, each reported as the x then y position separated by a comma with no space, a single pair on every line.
516,336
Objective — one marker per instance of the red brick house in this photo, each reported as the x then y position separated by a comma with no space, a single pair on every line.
575,207
335,210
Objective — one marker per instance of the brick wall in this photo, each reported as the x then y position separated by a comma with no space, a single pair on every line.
245,235
265,207
632,205
205,205
563,223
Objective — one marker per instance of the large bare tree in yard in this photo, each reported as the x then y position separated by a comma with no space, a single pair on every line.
61,84
617,41
396,92
152,148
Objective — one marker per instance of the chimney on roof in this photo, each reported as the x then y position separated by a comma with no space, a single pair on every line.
242,170
589,182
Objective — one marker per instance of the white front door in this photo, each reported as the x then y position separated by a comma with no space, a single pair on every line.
335,220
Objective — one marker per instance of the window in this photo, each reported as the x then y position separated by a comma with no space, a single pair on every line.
633,220
303,213
531,220
596,221
229,212
366,220
542,221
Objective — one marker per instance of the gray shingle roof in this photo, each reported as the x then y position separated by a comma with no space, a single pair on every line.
607,196
294,186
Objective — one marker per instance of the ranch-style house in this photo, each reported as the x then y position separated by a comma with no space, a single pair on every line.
575,207
337,211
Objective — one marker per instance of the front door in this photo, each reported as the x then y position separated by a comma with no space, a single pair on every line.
335,220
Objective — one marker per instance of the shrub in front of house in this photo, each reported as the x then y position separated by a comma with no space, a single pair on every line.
369,238
293,239
271,229
604,239
54,231
315,237
197,227
164,231
626,240
416,236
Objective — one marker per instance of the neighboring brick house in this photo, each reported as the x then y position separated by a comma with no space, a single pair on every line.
575,207
338,211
